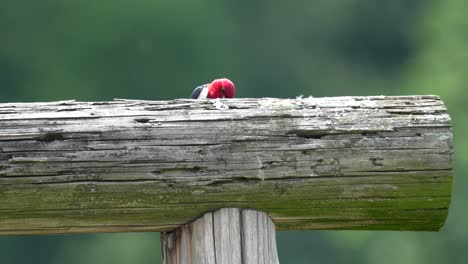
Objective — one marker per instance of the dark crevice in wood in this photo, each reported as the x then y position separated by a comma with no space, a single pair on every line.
214,236
193,169
401,170
49,137
220,183
142,120
240,204
377,161
69,109
315,134
416,112
206,181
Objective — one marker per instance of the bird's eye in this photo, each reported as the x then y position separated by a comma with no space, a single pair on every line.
223,90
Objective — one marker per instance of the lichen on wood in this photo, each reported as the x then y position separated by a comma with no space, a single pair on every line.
310,163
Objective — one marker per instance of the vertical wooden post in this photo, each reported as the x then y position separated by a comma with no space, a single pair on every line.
226,236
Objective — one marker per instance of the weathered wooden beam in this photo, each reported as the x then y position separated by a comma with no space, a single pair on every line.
229,235
310,163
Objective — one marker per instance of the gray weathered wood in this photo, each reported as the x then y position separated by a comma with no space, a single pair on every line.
228,236
310,163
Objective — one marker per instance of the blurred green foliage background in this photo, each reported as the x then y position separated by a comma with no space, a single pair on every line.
148,49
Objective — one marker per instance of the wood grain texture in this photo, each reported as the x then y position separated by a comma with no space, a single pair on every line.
228,236
310,163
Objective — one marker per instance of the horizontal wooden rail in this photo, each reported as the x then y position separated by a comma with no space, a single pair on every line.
309,163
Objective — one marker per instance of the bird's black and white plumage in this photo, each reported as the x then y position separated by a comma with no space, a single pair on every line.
218,88
201,92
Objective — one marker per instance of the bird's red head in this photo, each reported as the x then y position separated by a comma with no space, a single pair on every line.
221,88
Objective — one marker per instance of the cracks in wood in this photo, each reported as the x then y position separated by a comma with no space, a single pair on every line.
372,134
331,133
193,169
415,112
98,181
172,107
280,183
318,203
272,163
49,137
403,170
234,180
67,109
142,120
2,112
213,236
315,134
378,162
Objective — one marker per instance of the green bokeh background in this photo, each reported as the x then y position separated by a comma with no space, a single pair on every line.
162,49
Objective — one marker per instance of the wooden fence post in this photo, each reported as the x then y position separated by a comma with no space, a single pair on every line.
308,163
228,235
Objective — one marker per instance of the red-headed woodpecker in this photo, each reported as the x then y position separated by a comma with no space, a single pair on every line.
219,88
